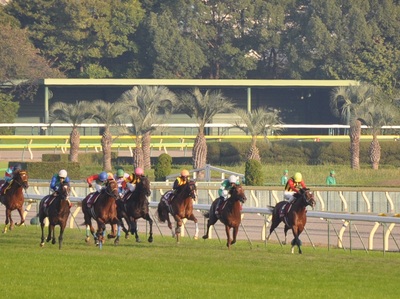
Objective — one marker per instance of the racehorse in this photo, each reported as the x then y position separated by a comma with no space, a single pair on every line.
135,206
13,197
180,207
57,209
230,214
103,211
295,217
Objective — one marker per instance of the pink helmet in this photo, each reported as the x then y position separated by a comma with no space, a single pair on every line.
139,171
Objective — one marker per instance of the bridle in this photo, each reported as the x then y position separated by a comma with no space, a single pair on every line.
112,191
21,179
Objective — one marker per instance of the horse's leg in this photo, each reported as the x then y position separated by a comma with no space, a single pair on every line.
211,221
196,231
285,230
228,236
234,234
42,228
8,216
60,237
274,224
148,218
21,215
170,227
178,227
296,240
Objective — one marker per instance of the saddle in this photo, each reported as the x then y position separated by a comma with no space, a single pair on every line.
48,200
167,197
285,209
92,199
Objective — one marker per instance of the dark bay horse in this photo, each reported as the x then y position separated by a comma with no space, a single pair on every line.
180,207
57,210
295,218
13,199
134,206
230,214
103,211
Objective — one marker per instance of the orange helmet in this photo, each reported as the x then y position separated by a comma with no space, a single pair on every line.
184,172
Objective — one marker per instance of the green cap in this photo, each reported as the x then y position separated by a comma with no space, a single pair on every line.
332,172
285,171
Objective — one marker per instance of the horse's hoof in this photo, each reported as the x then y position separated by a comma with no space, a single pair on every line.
126,236
42,244
53,242
116,242
109,236
138,240
87,239
150,239
205,237
196,237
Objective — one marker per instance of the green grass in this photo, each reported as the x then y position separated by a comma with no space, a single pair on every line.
192,269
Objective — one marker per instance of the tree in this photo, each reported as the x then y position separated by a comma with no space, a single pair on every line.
347,102
8,112
258,122
108,114
145,106
73,114
375,114
202,107
97,33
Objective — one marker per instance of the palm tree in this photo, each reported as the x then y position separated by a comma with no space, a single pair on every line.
108,114
73,114
203,107
145,106
347,102
261,121
380,112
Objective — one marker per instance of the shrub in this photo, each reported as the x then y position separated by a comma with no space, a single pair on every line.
254,176
163,167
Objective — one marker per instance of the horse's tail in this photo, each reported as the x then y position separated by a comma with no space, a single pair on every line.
162,213
206,214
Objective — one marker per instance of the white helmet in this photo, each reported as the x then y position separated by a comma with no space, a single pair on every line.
233,179
62,173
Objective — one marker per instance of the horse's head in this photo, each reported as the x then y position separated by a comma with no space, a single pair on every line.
64,190
21,178
308,196
112,189
237,193
192,189
145,185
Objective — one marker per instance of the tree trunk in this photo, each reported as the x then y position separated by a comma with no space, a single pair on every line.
199,153
106,142
138,154
146,150
74,141
374,152
254,152
355,133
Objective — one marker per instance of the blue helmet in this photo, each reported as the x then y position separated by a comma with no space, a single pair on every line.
17,167
103,176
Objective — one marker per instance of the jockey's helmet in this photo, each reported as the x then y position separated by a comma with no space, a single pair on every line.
120,173
17,167
298,177
62,173
184,173
233,179
139,171
103,176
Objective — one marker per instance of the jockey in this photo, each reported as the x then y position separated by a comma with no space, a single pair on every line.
99,181
120,178
293,186
223,191
59,179
8,176
134,178
181,180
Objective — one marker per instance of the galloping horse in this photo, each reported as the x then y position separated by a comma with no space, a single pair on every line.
103,211
295,218
180,207
13,197
230,215
57,210
136,206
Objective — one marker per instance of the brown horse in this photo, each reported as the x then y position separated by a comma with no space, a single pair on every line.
180,207
295,217
57,210
103,211
14,199
230,214
135,206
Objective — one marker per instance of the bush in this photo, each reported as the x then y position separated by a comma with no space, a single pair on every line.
163,167
45,170
254,176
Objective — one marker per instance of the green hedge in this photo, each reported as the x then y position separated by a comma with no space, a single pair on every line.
45,170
